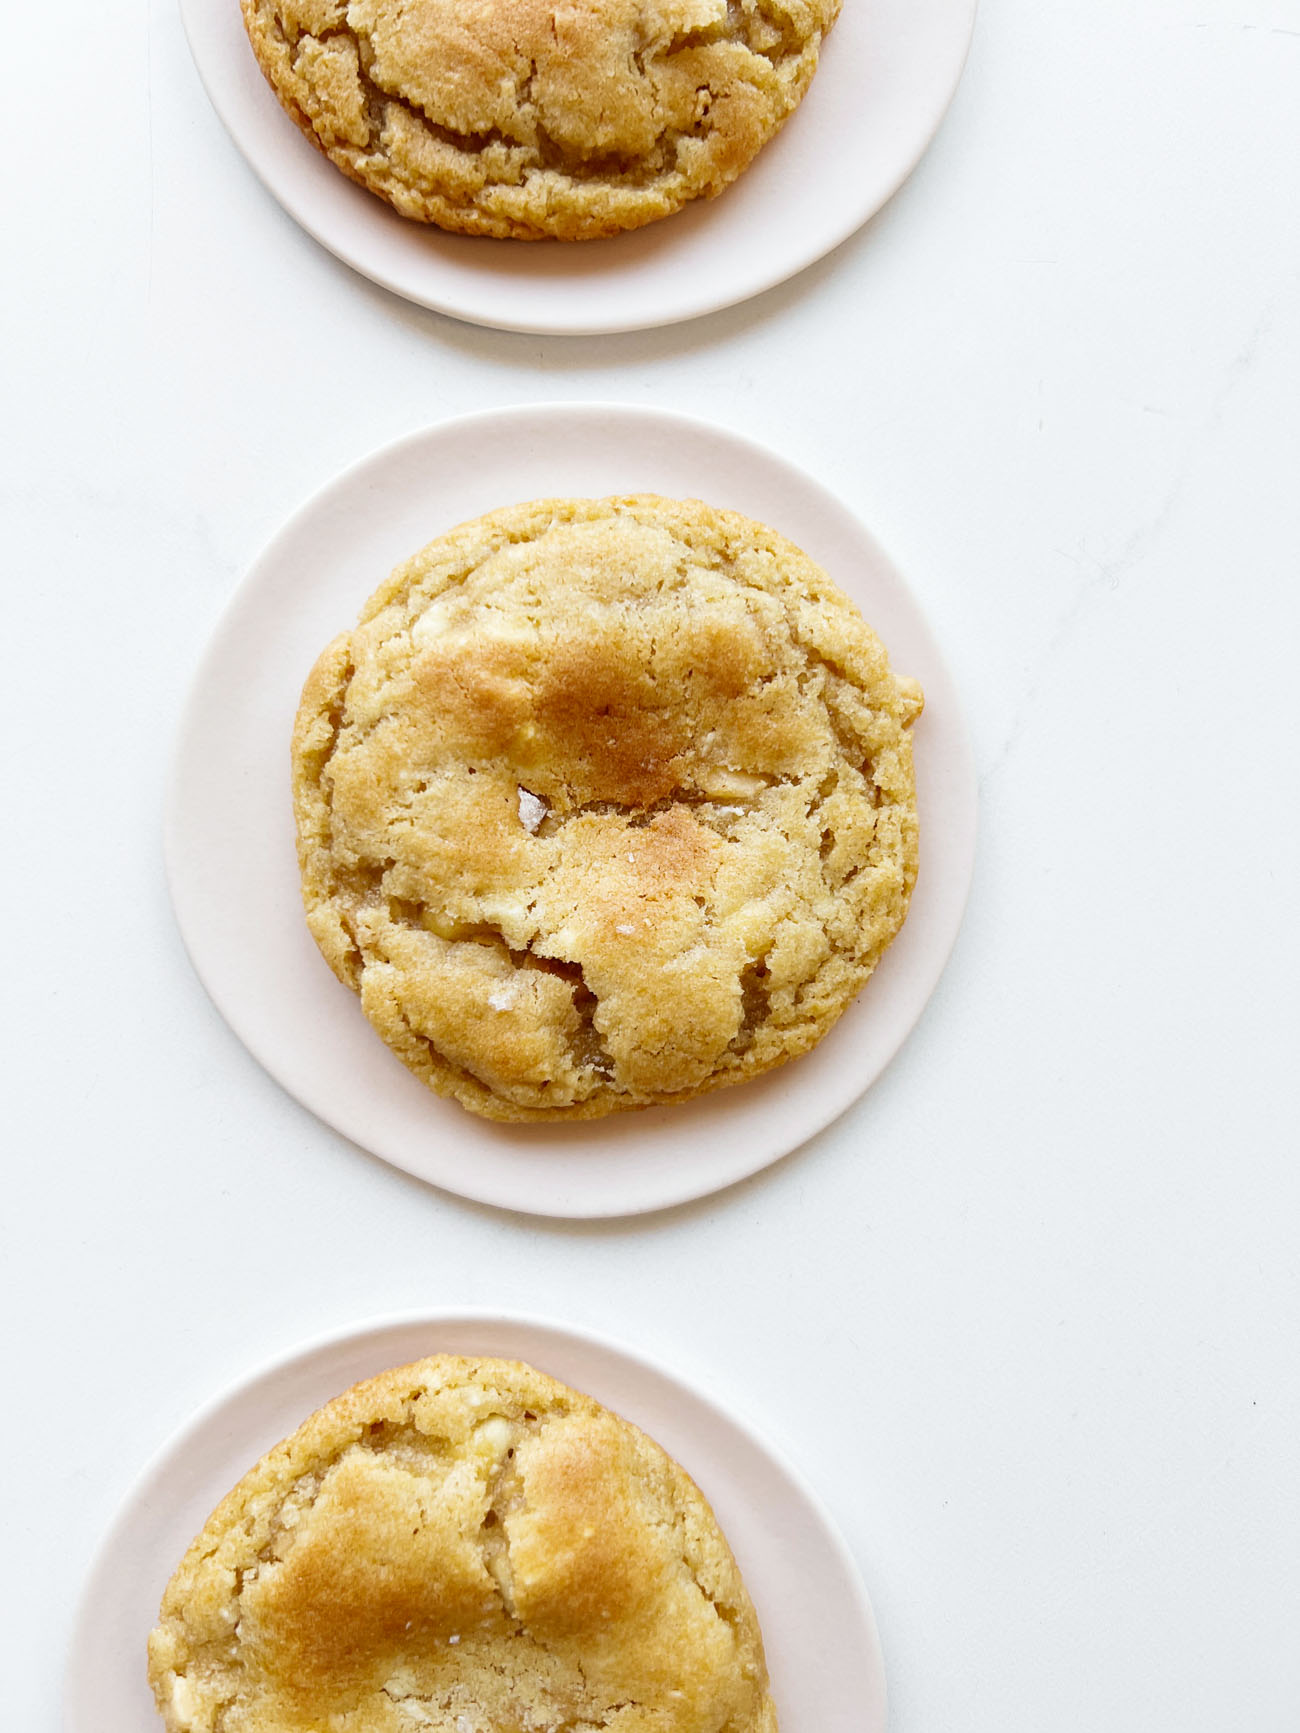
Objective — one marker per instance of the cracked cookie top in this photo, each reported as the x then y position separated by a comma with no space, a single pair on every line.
604,803
518,119
469,1546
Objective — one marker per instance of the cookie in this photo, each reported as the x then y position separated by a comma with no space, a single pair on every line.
463,1545
603,804
522,120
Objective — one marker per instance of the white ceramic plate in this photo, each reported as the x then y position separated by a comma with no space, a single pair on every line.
229,825
888,73
819,1632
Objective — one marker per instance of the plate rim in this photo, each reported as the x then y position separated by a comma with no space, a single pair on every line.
268,1369
451,304
226,627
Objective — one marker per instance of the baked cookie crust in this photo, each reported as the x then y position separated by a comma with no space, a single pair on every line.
522,120
469,1546
603,804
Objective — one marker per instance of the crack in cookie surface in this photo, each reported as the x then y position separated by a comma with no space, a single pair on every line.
520,119
584,774
461,1544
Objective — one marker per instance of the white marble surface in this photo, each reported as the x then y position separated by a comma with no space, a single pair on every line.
1028,1315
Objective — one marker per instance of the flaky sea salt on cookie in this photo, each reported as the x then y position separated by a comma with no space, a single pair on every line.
468,1546
523,120
603,804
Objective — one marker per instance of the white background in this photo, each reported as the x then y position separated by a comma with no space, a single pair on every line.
1028,1315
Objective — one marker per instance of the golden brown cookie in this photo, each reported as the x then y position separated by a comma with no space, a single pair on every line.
604,803
518,119
468,1546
